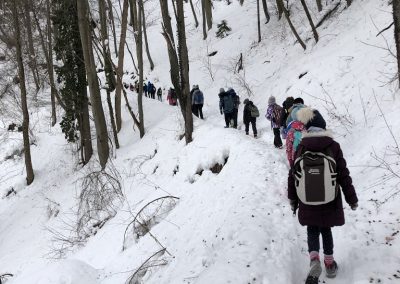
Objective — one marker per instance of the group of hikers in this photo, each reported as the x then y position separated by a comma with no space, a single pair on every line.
317,177
149,89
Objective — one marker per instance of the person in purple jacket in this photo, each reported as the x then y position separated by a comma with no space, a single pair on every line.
319,219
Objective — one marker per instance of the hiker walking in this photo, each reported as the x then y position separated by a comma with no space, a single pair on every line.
172,97
197,101
159,94
236,102
287,104
250,114
298,104
315,185
145,89
226,106
274,114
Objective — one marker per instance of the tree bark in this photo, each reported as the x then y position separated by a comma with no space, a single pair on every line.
194,14
286,12
280,6
319,5
145,39
396,19
111,15
95,96
258,21
203,12
139,52
108,68
314,30
186,102
208,10
31,49
21,73
120,69
50,66
266,13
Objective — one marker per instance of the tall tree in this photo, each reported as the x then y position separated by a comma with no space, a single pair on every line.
396,18
179,62
21,73
68,50
258,21
145,38
314,30
95,98
286,12
280,6
120,68
108,66
196,22
203,13
208,12
265,8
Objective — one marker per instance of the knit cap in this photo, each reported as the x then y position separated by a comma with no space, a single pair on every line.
221,90
311,117
271,100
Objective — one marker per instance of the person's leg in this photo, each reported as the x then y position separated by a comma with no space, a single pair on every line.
330,263
235,116
253,125
201,111
227,119
313,241
247,124
277,138
194,110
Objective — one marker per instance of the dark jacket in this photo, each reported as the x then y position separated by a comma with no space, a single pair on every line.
226,102
247,112
330,214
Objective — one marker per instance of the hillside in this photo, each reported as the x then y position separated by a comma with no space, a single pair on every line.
234,226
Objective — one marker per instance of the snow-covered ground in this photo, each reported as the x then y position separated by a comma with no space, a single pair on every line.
234,226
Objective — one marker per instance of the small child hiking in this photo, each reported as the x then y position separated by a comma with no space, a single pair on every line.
316,182
274,114
250,114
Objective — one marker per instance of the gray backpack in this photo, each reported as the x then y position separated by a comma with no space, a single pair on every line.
315,177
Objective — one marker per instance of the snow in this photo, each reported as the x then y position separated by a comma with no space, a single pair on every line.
234,226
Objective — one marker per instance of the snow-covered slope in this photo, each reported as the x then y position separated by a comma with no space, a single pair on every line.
234,226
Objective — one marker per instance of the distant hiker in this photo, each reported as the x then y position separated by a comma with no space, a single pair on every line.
226,106
298,104
159,94
152,90
145,89
236,102
274,114
172,97
197,101
314,184
250,114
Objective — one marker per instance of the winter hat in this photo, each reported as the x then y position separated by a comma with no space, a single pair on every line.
298,101
246,101
271,100
221,90
311,118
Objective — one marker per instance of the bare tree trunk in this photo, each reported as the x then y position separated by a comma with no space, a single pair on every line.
208,10
319,5
31,49
314,30
186,102
203,12
258,21
120,69
265,8
111,15
286,12
280,6
95,97
108,68
194,13
145,38
396,18
139,52
21,73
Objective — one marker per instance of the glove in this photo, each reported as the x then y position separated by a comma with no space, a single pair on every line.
354,206
293,205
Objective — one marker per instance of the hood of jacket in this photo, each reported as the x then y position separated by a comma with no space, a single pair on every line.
317,141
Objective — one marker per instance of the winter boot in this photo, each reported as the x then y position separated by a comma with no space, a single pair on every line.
331,269
247,133
315,272
255,135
